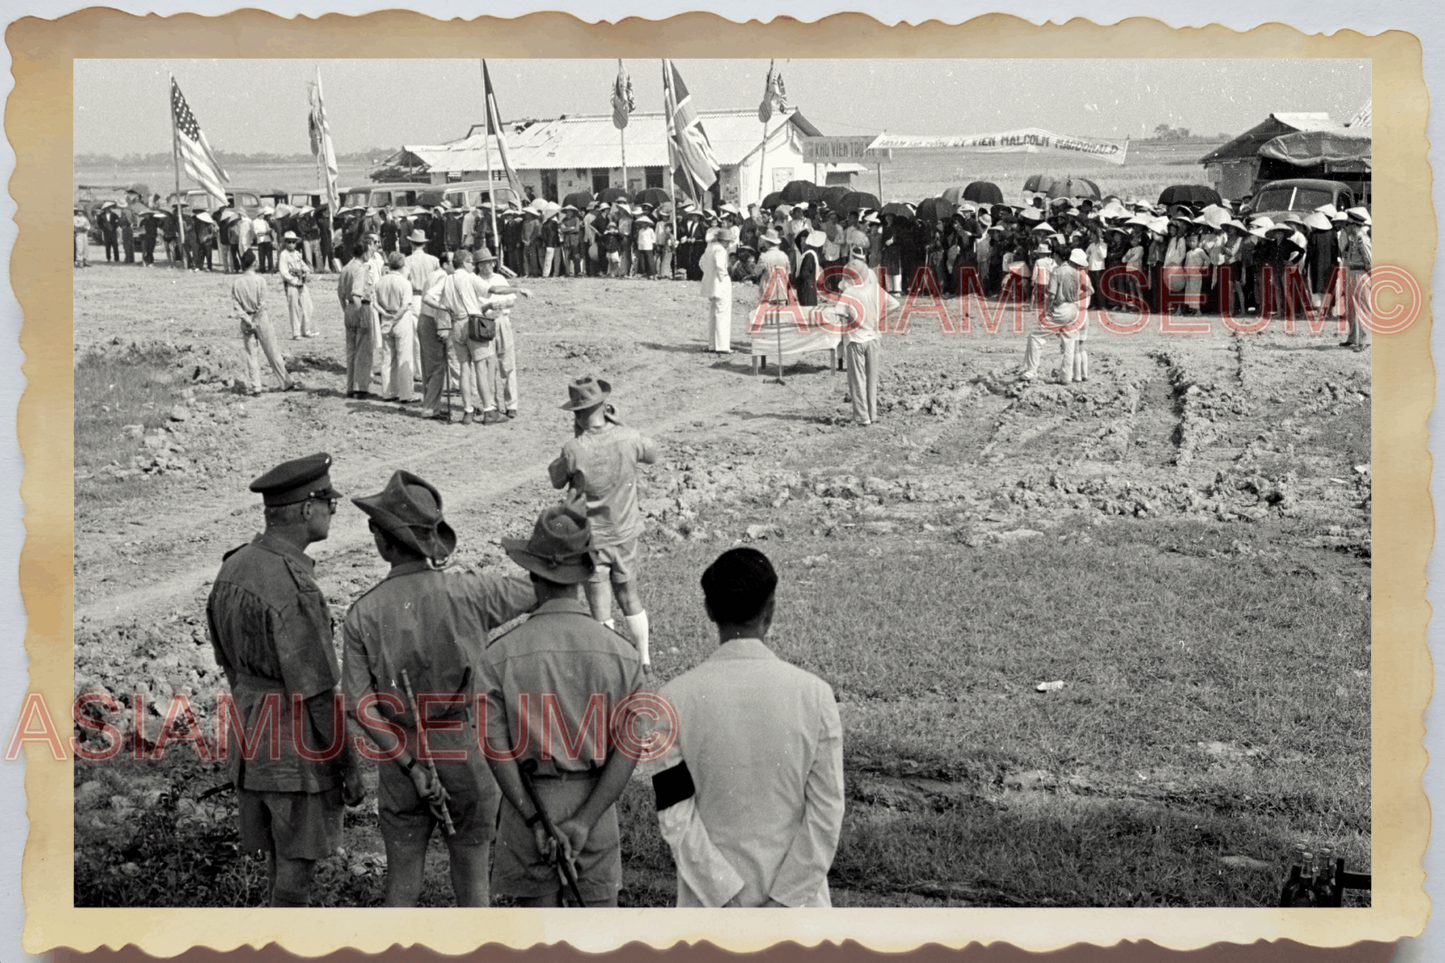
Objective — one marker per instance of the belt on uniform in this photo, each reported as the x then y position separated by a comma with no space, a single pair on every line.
565,775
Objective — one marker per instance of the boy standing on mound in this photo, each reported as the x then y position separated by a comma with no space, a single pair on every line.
600,465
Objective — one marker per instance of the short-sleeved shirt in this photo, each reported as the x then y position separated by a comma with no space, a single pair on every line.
768,261
433,624
560,658
354,282
271,632
601,464
249,293
392,295
419,268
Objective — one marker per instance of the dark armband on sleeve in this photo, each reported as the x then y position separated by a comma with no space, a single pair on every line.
673,786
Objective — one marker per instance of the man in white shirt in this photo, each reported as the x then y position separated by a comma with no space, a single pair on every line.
859,314
506,337
464,295
750,793
717,290
294,272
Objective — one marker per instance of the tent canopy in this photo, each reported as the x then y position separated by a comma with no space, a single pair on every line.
1339,148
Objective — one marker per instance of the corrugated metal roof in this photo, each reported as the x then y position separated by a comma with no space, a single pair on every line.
591,141
1248,143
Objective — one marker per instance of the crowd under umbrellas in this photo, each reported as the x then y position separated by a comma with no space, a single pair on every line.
1188,251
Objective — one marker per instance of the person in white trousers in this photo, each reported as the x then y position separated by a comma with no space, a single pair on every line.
717,288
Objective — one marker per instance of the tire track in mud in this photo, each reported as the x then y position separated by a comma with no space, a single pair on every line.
451,466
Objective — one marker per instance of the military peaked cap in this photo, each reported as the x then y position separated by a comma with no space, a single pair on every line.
297,480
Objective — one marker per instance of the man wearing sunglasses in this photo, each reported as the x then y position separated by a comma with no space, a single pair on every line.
271,631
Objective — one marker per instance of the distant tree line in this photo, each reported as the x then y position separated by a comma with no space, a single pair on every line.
163,158
1166,134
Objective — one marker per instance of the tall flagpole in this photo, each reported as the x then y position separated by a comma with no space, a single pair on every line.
762,165
176,157
622,133
763,155
667,110
487,145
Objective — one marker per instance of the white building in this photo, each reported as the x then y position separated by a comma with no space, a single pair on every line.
574,153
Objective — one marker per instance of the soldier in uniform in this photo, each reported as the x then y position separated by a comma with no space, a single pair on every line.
271,631
584,670
433,625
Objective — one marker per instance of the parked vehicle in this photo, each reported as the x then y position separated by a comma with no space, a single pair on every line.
247,200
1300,195
464,194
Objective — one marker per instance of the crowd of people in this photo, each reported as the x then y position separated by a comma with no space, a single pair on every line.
531,735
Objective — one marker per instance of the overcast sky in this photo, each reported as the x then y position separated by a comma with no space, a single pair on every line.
260,105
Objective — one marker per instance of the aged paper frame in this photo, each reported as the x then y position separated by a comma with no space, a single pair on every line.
38,123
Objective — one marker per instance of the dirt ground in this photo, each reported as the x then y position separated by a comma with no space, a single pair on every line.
1269,429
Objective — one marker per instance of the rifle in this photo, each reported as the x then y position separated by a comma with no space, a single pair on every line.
569,871
439,808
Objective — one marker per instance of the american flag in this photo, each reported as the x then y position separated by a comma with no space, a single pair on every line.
200,161
622,103
691,149
321,146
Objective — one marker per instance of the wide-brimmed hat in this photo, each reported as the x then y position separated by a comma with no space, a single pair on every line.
289,236
417,236
644,219
1358,215
559,548
483,255
1078,258
203,216
815,239
1318,221
410,511
587,392
770,237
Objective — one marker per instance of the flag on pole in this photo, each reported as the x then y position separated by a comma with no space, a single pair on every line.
693,152
199,159
494,129
774,95
321,146
622,103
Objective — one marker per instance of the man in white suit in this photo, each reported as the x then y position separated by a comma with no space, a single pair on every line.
717,288
750,794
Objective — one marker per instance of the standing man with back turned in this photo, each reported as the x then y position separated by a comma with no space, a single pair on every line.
432,625
750,795
271,631
599,465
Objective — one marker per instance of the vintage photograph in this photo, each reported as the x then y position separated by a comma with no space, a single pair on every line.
722,483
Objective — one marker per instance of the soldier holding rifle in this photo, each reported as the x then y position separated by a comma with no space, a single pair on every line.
551,687
423,629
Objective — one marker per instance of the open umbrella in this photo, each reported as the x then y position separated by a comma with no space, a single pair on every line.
1039,183
856,201
1072,186
983,192
795,191
772,200
578,199
612,195
934,209
897,210
833,195
1193,194
655,196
